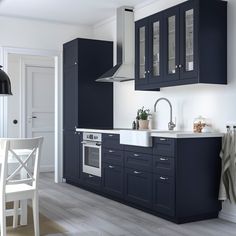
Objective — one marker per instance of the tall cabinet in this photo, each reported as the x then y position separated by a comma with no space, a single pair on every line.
86,103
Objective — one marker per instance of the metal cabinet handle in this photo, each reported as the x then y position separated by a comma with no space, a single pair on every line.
162,139
163,178
136,155
111,167
176,66
91,176
110,135
163,159
180,66
137,172
111,151
75,63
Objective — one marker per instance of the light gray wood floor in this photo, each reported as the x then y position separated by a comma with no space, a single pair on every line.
82,213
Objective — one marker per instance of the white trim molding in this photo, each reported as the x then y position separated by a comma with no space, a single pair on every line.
57,57
228,212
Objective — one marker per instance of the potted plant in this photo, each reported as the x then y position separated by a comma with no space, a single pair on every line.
142,117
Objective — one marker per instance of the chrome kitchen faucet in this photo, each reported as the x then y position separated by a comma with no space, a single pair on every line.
171,124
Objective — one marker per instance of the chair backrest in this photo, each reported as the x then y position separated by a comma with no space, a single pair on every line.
24,156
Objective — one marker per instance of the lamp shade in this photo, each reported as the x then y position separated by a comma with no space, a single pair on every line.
5,84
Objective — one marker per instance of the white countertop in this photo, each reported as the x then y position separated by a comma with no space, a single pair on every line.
158,133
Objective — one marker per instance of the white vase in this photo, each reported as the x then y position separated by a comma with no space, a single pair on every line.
143,124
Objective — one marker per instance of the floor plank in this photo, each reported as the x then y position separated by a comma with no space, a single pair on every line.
82,213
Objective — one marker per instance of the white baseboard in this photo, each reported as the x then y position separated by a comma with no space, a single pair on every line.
46,168
229,216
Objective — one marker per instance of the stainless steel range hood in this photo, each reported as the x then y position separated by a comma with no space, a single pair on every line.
124,69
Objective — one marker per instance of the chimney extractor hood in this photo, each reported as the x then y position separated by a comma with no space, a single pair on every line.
124,69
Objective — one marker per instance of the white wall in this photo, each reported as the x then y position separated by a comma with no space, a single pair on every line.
215,102
17,32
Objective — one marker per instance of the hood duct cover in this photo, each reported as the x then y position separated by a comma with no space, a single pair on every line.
124,69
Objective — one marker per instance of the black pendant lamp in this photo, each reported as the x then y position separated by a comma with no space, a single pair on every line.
5,84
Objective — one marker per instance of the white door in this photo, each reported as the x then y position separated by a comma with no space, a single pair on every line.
40,111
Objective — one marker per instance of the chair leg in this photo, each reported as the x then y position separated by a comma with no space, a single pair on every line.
3,217
35,204
15,214
24,214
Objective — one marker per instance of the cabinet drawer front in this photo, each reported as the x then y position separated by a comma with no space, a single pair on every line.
138,160
138,187
164,165
113,180
164,194
164,147
113,156
147,150
91,181
111,141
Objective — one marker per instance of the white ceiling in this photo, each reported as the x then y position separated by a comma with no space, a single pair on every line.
88,12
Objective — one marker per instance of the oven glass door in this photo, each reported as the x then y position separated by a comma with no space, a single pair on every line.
92,158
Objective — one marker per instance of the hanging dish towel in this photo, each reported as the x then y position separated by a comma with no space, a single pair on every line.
228,175
225,163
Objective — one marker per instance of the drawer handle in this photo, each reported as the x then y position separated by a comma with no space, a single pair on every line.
91,176
137,172
162,139
110,135
136,155
163,159
163,178
111,167
111,151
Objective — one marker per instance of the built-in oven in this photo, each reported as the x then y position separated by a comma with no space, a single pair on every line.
92,154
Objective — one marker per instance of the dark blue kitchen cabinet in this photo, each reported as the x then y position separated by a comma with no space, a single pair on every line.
164,194
86,103
71,156
113,180
185,44
138,187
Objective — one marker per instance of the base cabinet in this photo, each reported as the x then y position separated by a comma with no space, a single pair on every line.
113,181
164,194
138,187
171,180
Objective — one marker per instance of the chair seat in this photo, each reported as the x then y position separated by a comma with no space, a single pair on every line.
19,191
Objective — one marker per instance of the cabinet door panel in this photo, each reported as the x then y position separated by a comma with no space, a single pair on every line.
188,40
113,180
138,187
141,52
155,48
71,155
70,54
164,194
70,98
171,44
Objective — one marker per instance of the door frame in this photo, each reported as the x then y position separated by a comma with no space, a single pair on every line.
57,57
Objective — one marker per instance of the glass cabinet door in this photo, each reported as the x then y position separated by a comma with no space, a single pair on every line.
155,50
189,40
171,44
141,52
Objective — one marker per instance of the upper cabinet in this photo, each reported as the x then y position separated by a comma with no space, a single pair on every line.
185,44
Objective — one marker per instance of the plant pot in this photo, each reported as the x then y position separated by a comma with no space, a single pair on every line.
143,124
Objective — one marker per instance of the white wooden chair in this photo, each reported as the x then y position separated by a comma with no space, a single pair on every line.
15,186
